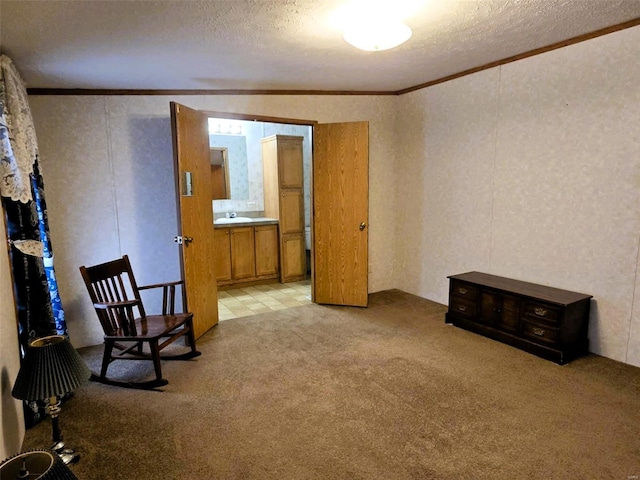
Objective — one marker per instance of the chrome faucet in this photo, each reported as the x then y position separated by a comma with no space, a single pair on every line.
232,215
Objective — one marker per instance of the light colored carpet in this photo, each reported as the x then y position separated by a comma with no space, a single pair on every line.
386,392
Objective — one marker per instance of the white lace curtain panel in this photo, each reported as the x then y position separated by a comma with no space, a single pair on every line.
18,144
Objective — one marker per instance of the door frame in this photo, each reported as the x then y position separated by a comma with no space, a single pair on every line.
286,121
289,121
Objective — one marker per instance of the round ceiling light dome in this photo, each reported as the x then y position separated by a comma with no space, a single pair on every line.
373,37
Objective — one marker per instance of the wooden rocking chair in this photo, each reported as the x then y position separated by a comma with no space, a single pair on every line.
127,328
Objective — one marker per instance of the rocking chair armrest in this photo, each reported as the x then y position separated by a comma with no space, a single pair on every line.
121,304
118,317
168,295
160,285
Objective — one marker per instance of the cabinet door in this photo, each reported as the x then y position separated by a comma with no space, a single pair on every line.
499,310
290,162
266,250
509,313
489,306
243,261
293,258
291,212
222,254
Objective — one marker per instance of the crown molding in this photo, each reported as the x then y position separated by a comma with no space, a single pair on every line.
531,53
92,91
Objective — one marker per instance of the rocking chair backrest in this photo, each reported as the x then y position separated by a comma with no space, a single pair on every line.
112,282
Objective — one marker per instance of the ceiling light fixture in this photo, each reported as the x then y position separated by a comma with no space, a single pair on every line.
375,25
377,35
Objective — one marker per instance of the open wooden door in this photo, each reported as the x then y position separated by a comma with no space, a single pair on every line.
341,213
192,168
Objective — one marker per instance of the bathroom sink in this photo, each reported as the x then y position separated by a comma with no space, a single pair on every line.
233,220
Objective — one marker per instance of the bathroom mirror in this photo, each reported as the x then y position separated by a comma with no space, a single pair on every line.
219,157
234,149
243,141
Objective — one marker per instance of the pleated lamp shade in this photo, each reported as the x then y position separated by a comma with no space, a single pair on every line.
51,367
41,464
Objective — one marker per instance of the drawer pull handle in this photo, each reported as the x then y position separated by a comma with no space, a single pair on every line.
463,291
541,312
538,331
462,308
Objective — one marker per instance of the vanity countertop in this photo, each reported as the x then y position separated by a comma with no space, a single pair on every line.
254,222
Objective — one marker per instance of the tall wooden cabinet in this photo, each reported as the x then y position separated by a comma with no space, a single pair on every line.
284,200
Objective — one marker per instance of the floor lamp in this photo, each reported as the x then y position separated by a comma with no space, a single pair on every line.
51,367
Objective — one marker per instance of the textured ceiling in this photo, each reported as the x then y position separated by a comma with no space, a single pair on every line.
274,44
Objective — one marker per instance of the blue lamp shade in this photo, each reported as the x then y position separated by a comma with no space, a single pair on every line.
51,367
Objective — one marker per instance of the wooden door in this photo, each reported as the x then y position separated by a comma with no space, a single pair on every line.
340,213
195,215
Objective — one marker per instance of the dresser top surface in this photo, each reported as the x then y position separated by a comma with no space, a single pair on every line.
542,292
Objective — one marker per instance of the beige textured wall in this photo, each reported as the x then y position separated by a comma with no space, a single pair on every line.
108,169
11,416
531,171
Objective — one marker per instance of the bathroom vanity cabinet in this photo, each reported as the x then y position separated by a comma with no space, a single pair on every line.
548,322
282,161
246,254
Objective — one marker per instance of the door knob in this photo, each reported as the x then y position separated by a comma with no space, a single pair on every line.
180,239
363,226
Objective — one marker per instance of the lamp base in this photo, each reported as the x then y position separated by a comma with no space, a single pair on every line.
67,455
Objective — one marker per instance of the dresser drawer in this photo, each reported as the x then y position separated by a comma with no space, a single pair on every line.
465,290
537,311
462,306
540,332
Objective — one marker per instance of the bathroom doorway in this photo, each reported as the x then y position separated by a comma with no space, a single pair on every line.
242,140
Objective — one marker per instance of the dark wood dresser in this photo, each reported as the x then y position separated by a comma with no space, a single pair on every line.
545,321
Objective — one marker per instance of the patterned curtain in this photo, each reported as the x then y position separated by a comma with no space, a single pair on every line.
40,311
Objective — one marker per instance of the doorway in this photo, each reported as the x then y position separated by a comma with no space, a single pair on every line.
338,214
242,140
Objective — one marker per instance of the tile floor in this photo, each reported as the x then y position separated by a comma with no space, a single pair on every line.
244,301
